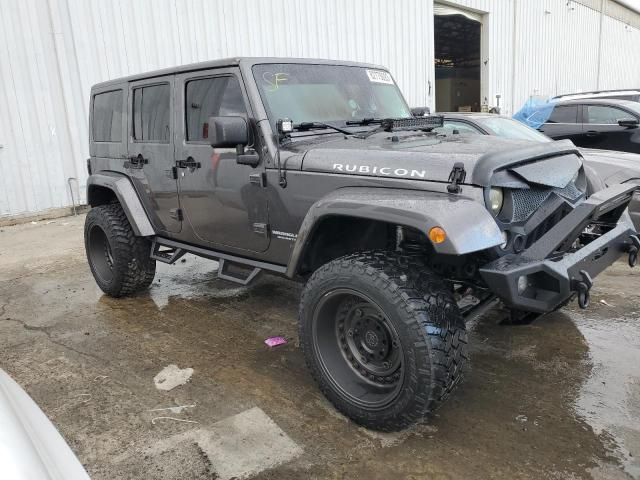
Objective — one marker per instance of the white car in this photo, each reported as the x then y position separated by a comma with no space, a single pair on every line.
30,446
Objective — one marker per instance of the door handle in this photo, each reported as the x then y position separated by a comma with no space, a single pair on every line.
592,133
136,161
189,162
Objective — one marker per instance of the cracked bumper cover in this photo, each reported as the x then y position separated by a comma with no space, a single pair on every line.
546,278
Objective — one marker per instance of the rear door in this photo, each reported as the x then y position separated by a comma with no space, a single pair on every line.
224,202
151,150
564,123
601,128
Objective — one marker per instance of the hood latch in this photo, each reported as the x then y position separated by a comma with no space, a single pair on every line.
456,177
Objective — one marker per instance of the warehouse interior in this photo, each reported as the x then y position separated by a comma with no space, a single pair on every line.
457,59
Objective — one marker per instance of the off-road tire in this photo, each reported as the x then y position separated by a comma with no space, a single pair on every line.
127,266
429,326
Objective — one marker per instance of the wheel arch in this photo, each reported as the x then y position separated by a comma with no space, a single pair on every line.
365,211
107,187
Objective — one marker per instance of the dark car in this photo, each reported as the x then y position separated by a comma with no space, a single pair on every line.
316,170
608,167
594,123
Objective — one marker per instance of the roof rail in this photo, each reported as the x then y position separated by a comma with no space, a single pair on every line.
599,91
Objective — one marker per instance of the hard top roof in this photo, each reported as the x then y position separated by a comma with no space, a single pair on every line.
233,62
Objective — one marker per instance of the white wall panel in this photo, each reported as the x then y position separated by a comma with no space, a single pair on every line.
52,51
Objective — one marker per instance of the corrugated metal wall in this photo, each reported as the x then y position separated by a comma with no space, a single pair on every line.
52,51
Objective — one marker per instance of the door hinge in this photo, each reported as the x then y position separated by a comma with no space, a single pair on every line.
176,214
456,177
174,173
261,229
258,179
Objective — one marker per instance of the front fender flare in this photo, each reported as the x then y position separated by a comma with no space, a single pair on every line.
121,186
468,224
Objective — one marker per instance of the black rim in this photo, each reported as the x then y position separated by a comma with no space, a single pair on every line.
358,348
100,254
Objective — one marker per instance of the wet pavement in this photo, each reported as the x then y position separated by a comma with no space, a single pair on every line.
558,399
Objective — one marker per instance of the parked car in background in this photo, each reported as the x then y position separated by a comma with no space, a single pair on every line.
624,94
30,446
607,167
595,123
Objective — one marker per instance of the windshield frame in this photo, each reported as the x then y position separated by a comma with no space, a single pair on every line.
338,122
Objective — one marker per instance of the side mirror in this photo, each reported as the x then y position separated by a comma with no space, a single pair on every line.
228,132
420,111
628,122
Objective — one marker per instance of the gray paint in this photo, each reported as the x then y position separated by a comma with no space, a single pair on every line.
127,197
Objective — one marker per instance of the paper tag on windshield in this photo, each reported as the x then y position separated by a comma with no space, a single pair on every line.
379,76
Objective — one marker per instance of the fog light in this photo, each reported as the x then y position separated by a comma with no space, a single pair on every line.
523,283
437,235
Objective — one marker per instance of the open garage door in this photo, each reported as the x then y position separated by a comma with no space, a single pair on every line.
457,59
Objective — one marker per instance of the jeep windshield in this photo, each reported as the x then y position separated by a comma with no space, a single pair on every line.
329,94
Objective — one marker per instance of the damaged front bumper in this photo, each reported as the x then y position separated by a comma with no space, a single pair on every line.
540,279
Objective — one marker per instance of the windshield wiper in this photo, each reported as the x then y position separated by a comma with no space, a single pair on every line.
315,125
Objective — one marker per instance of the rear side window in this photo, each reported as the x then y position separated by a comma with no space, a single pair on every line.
107,117
151,113
211,97
604,115
564,114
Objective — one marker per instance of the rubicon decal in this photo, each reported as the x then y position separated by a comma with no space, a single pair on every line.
374,170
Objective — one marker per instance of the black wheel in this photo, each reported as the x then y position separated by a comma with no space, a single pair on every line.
385,347
120,262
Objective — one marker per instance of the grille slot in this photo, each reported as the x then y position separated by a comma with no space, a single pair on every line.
527,201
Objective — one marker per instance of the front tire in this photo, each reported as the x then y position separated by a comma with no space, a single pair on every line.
121,263
386,346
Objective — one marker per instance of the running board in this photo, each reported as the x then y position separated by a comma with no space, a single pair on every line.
226,274
167,254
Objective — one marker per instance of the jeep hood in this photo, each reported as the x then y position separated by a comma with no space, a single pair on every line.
613,167
431,158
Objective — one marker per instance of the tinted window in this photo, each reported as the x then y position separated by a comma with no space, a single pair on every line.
605,115
211,97
509,128
107,117
566,114
151,113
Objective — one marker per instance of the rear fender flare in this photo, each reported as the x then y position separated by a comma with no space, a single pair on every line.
468,224
121,186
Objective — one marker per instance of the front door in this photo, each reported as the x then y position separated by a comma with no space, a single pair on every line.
150,159
602,130
224,203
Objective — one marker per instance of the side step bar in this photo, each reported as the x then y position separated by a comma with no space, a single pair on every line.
169,251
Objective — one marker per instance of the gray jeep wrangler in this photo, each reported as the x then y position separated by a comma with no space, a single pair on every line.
316,170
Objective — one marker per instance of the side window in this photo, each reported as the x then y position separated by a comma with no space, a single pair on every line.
564,114
604,115
107,117
210,97
462,127
151,113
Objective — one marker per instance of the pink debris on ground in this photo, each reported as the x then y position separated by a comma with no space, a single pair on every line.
275,341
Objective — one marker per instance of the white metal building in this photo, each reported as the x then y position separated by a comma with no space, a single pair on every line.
52,51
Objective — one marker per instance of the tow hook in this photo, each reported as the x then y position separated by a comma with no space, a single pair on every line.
633,251
583,287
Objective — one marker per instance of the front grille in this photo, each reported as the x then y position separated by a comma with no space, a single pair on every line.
527,201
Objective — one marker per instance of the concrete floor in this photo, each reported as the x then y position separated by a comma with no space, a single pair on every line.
558,399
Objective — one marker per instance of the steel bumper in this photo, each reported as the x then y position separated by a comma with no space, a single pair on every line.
539,279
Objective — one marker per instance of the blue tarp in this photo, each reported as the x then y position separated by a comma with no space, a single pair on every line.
535,112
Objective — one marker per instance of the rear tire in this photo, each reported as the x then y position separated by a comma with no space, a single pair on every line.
121,263
386,347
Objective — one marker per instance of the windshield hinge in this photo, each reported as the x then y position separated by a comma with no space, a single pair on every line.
456,177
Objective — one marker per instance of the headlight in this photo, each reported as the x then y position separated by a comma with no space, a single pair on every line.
496,200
